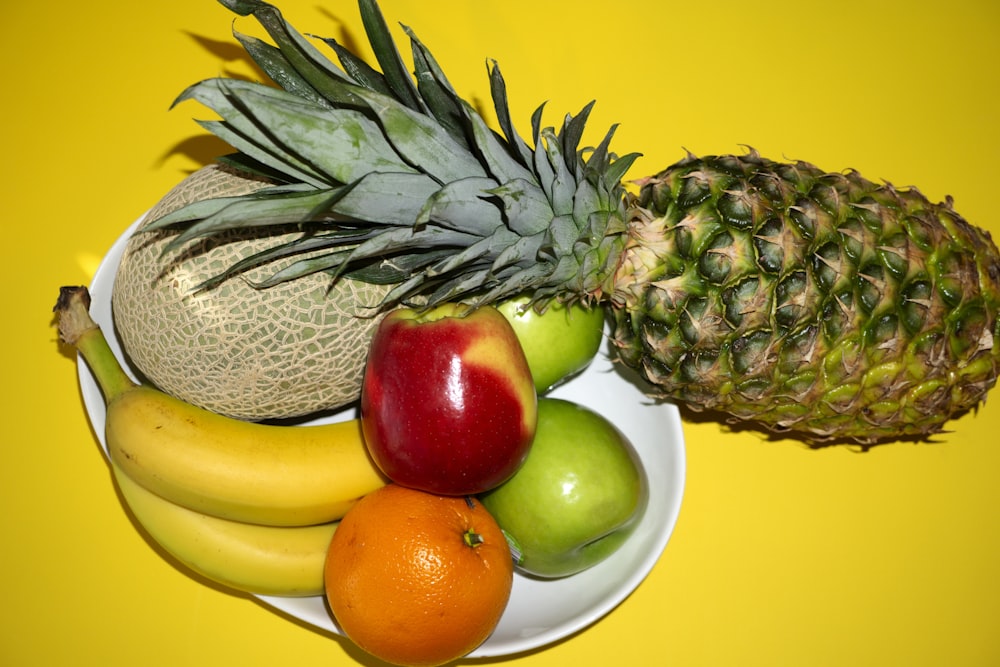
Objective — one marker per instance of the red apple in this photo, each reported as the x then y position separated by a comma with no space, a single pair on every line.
448,404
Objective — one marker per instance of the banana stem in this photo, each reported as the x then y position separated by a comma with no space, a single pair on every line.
78,329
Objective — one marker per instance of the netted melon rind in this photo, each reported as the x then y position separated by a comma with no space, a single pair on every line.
283,352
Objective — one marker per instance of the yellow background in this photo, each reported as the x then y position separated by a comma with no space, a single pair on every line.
782,555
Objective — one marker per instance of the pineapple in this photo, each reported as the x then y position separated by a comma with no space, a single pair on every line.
809,301
818,304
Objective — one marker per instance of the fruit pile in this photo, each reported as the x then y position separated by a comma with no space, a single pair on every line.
821,305
395,231
411,518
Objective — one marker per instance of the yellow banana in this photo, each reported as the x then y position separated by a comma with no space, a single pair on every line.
266,560
243,471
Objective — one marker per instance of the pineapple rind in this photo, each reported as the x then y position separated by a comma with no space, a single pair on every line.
815,303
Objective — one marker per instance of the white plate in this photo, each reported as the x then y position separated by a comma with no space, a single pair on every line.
540,611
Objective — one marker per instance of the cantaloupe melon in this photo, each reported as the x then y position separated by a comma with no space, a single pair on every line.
255,354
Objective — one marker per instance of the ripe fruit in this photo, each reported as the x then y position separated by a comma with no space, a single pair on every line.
447,403
264,560
578,495
558,343
822,304
259,354
418,579
243,471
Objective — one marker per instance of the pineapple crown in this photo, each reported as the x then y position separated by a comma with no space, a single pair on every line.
395,179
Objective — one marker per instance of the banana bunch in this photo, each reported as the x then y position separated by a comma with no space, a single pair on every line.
250,506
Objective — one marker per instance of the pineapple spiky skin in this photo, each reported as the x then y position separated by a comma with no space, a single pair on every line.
817,303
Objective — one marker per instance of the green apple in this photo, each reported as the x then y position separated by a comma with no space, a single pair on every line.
558,343
578,496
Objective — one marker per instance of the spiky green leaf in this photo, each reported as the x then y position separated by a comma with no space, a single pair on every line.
260,211
560,192
274,63
498,91
357,69
387,198
306,60
422,142
397,177
463,205
440,98
393,67
528,209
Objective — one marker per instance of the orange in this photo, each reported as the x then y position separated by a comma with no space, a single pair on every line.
418,579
